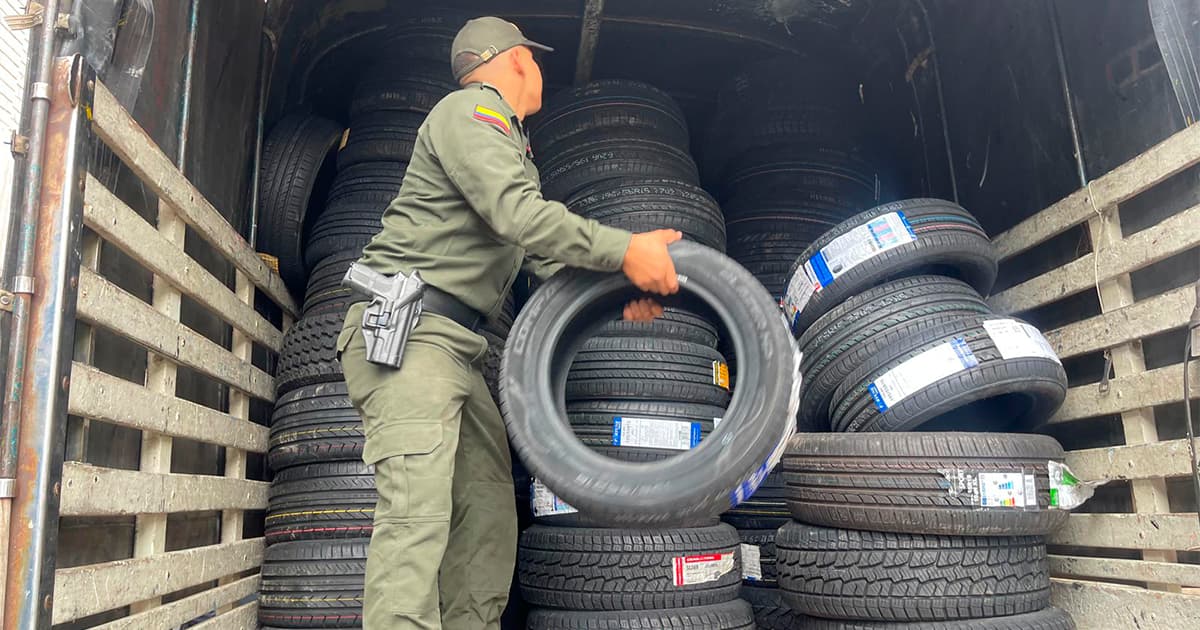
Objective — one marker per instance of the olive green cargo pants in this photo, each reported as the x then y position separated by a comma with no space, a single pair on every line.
445,537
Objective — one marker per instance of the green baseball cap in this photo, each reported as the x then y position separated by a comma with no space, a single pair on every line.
481,39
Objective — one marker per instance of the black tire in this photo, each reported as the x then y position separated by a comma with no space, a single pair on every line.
949,241
309,353
731,615
592,420
765,509
315,423
686,486
645,205
776,176
804,125
770,611
768,245
1046,619
600,413
853,331
996,394
325,292
675,323
826,572
565,175
293,154
574,518
383,136
919,483
622,569
646,369
492,358
352,217
313,584
412,86
321,501
616,105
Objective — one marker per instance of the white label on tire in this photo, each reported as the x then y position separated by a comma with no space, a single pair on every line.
649,433
1018,340
710,567
842,254
1007,490
920,372
751,562
800,289
546,503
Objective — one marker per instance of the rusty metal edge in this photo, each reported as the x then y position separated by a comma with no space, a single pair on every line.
32,544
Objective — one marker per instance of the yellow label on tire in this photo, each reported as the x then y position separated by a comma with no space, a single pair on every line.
720,375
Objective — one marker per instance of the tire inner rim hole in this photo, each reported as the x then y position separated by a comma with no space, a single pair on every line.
587,314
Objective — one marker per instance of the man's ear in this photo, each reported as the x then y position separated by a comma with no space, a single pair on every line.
518,65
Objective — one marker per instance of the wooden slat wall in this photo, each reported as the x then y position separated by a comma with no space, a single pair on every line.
1084,584
226,571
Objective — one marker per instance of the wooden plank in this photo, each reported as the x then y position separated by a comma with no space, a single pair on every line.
150,530
1138,425
1176,234
105,304
1130,531
174,614
1147,389
124,228
97,491
114,400
1136,321
1149,168
1152,460
1127,570
1099,606
95,588
137,150
244,617
234,521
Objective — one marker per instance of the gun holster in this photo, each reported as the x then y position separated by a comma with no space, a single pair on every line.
391,315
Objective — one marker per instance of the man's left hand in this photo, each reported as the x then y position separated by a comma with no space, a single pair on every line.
643,310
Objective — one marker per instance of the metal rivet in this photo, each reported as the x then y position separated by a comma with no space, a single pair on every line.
66,382
58,488
74,282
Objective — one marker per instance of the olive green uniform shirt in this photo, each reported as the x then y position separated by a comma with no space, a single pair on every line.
471,211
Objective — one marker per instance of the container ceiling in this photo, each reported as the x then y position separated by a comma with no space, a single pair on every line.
683,46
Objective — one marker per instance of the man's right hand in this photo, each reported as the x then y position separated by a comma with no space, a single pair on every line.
647,263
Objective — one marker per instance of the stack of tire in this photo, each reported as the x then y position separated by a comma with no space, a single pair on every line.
617,152
930,530
936,531
896,336
787,154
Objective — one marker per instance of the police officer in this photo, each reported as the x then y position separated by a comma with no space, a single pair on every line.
469,214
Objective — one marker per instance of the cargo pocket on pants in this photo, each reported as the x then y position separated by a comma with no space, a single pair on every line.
412,471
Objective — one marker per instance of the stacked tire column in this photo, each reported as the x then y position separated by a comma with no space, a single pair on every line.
789,158
788,155
907,530
920,530
616,151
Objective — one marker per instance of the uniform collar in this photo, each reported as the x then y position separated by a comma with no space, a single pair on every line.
505,108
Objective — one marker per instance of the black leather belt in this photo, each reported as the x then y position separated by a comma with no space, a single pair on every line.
439,302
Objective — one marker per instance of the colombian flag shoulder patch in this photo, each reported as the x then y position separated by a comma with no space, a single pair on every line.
493,118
